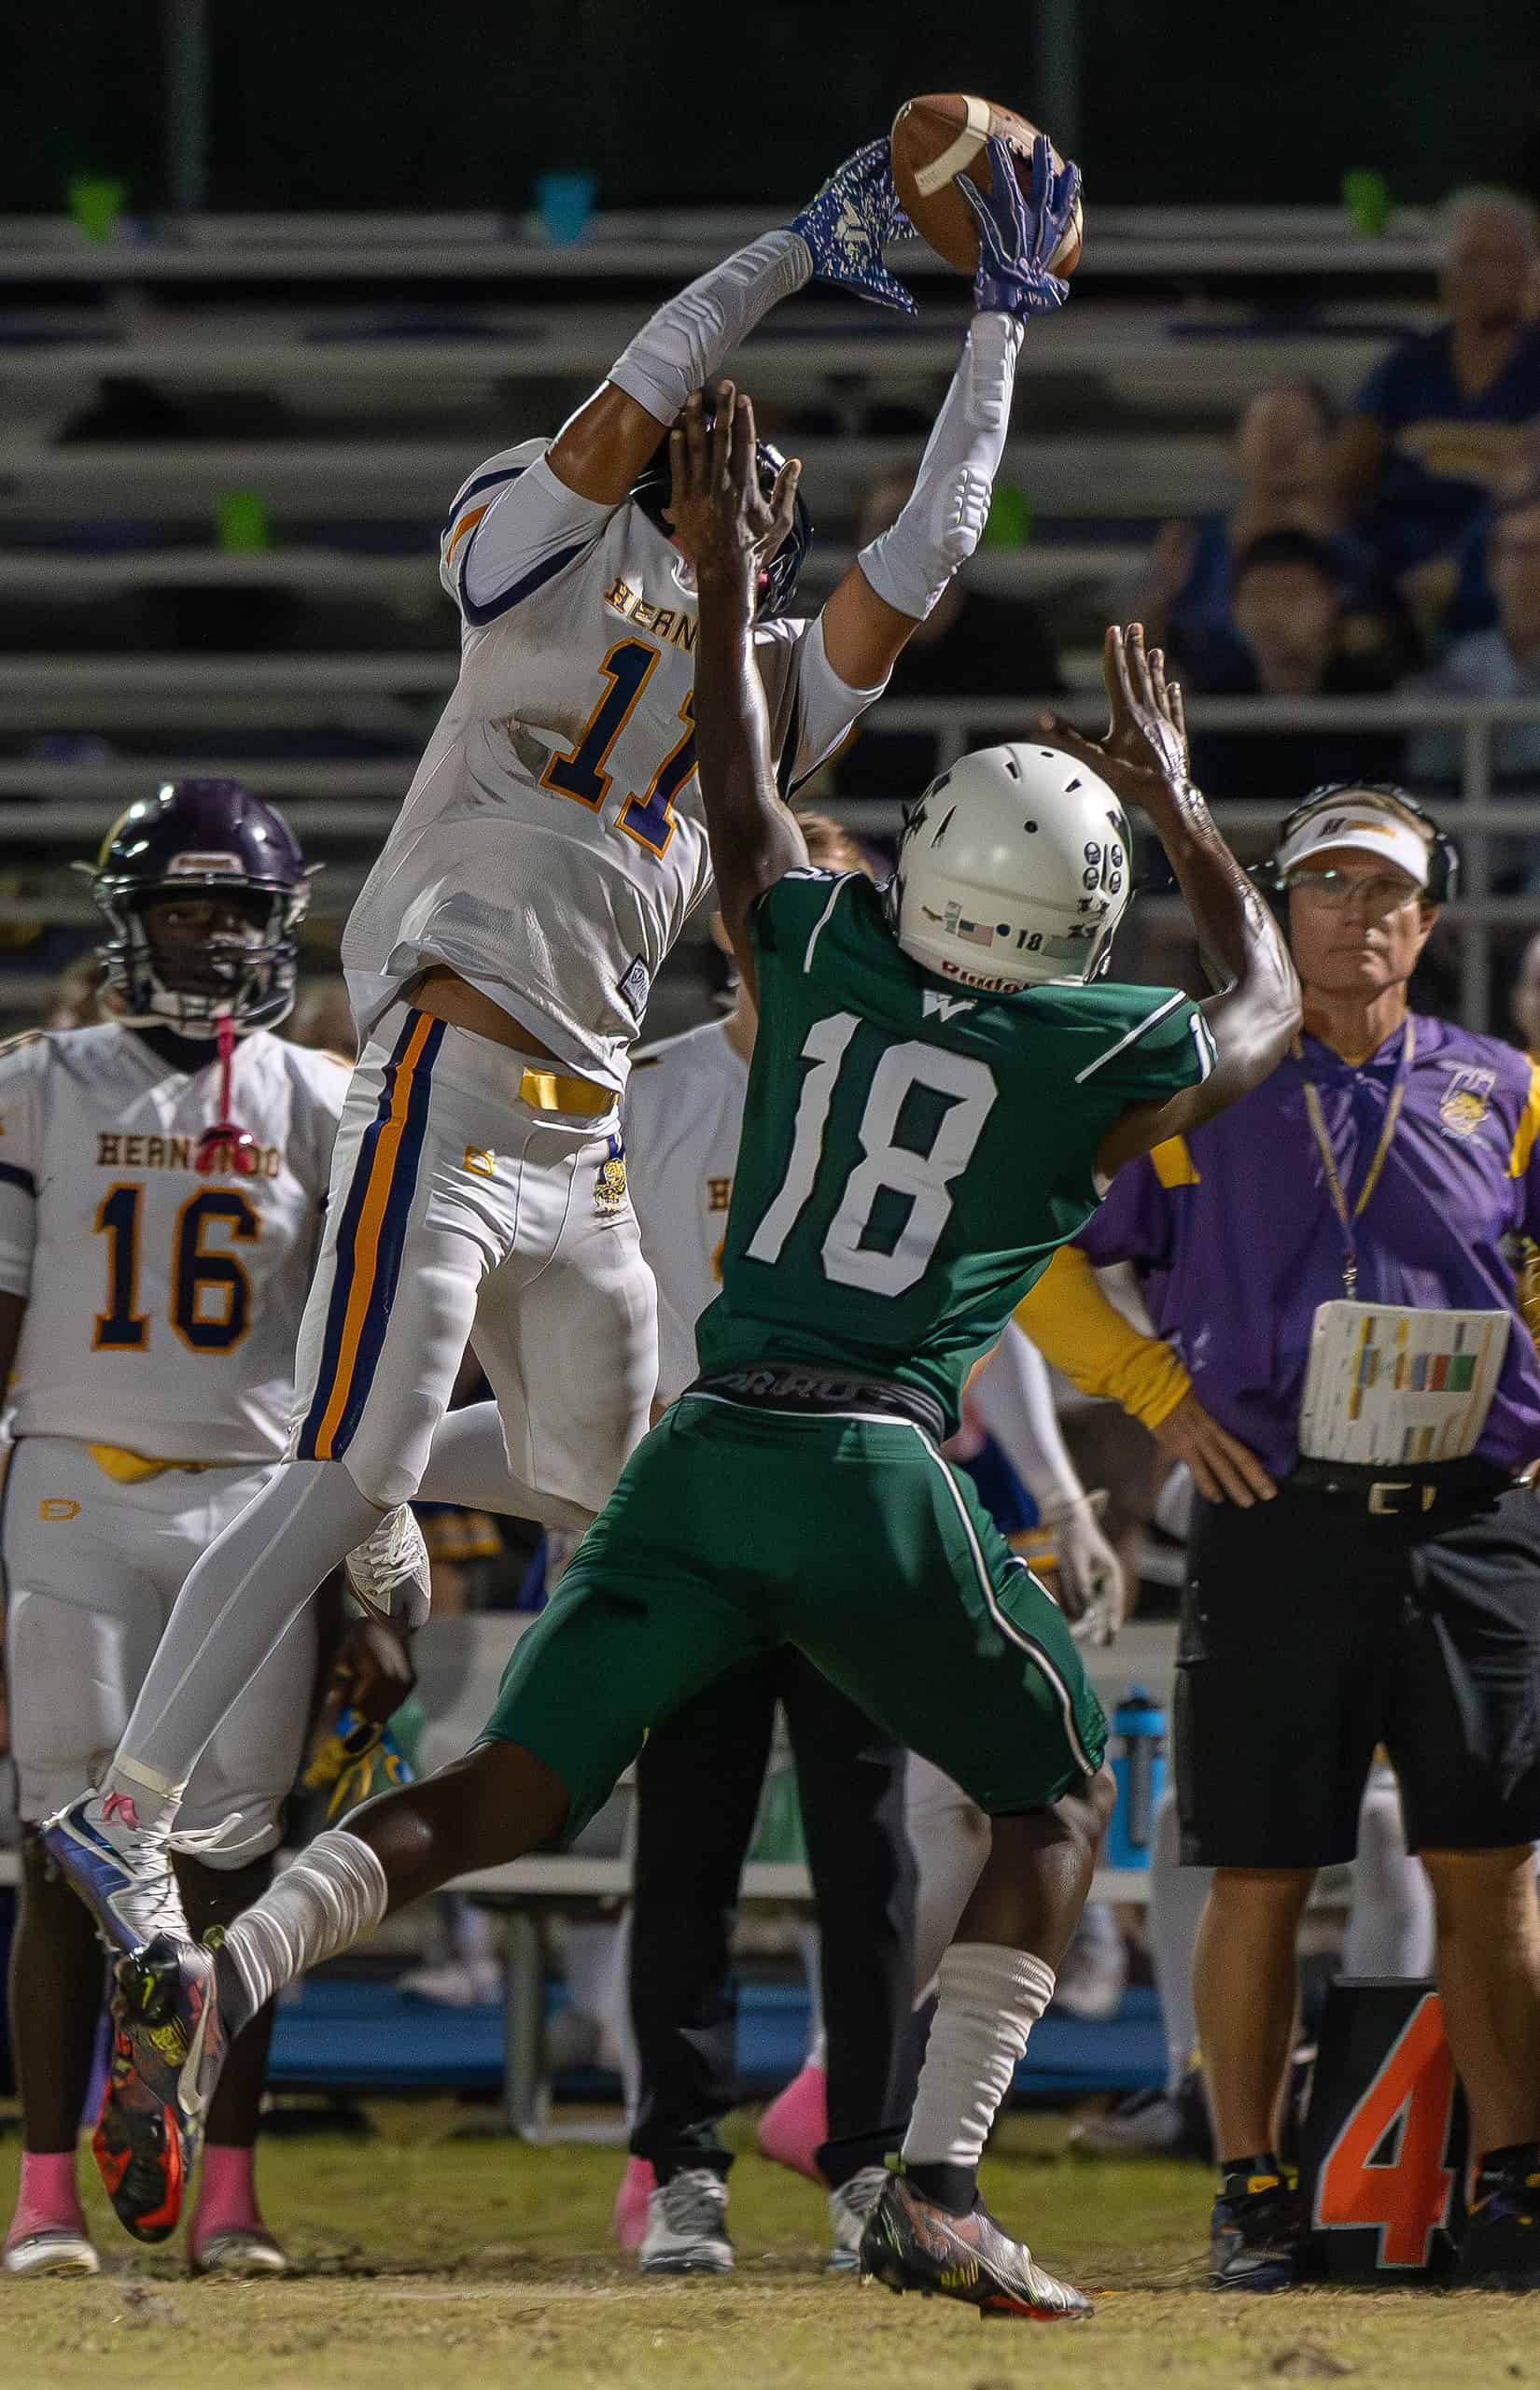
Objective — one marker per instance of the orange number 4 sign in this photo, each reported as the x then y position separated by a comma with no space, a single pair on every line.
1386,2166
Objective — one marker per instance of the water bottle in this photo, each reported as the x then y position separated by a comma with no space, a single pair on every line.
1139,1764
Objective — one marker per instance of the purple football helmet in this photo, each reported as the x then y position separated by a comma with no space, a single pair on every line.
202,838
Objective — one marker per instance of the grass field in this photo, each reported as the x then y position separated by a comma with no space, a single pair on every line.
429,2262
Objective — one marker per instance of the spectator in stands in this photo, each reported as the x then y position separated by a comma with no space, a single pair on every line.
1446,421
1293,642
971,644
1282,456
1500,662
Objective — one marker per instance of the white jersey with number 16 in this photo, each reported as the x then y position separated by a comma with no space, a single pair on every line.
162,1302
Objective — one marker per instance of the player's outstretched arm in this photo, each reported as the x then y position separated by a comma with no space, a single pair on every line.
896,580
732,531
837,237
1257,1011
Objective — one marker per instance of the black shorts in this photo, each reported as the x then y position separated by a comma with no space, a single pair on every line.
1312,1630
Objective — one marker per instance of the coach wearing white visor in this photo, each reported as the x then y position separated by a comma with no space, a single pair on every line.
1340,1359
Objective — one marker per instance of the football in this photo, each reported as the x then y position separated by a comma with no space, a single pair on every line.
943,134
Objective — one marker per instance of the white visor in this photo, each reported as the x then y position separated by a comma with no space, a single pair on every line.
1370,824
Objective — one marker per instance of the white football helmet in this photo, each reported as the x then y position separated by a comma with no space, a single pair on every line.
1014,870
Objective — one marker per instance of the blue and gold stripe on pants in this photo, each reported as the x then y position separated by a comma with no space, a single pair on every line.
369,1243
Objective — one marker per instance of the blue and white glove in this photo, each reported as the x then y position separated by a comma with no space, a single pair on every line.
847,225
1016,237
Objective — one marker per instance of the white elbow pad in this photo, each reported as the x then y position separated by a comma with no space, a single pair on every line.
911,564
678,349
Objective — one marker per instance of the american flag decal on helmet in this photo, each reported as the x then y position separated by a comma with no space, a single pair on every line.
973,933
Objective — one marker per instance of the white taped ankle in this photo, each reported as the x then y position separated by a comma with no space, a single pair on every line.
988,2000
335,1890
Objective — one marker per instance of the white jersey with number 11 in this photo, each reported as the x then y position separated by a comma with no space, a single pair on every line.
554,842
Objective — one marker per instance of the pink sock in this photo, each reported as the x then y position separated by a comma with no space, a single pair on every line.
227,2190
47,2197
795,2125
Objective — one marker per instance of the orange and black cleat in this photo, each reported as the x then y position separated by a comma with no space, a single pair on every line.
138,2150
914,2244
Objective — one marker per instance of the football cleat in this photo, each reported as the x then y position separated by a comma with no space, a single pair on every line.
1093,1973
167,2009
687,2225
242,2249
459,1983
120,1869
1256,2233
50,2249
391,1573
1152,2123
913,2243
138,2149
1501,2248
848,2209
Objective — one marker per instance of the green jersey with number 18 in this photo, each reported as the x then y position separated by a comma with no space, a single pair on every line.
913,1151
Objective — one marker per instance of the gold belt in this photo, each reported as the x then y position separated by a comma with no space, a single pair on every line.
137,1469
554,1091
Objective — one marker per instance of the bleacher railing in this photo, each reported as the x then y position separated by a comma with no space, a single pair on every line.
350,806
672,240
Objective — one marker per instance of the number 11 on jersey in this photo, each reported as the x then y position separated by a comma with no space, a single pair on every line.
580,773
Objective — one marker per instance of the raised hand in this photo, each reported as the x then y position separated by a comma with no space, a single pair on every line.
1017,236
726,524
1143,755
847,224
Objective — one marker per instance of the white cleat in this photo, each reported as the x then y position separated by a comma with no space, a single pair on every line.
390,1573
460,1983
53,2249
687,2225
848,2209
120,1869
1093,1973
244,2249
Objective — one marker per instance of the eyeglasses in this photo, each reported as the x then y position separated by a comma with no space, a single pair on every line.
1337,889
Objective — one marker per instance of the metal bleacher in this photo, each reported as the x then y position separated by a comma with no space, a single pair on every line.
336,376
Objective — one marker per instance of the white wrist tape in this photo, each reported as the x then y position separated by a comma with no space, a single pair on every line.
911,564
678,349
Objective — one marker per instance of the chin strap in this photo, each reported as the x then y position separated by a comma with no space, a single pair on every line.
227,1146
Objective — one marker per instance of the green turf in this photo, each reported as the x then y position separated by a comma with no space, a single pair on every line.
429,2262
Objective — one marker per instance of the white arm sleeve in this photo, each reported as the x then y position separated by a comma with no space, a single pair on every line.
943,521
678,349
1014,1400
512,527
22,1068
811,708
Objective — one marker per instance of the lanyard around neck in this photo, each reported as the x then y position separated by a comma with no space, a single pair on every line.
1328,1158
